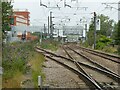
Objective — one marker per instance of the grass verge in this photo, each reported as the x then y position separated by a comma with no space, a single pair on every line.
36,63
49,44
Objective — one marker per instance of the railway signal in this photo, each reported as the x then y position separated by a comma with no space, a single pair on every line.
98,24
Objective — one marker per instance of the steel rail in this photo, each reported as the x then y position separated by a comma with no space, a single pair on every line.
77,64
92,84
106,70
103,55
95,63
81,75
111,75
80,68
107,73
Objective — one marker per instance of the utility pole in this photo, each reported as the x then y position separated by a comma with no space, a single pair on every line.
48,25
51,26
44,31
58,36
94,30
85,31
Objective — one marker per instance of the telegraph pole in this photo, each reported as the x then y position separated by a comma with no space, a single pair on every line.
51,26
48,25
44,29
94,30
85,31
58,35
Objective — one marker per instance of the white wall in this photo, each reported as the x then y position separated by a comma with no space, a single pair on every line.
21,20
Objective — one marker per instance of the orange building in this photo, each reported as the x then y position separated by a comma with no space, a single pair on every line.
21,18
28,36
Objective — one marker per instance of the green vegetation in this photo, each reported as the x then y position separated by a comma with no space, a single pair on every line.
102,42
20,58
16,57
110,49
37,63
6,14
49,44
106,29
107,38
118,37
106,25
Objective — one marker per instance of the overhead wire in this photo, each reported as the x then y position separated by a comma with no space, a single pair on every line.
99,12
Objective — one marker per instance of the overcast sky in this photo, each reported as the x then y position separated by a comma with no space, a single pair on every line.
39,14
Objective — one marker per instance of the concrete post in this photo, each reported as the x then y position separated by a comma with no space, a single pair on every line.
40,82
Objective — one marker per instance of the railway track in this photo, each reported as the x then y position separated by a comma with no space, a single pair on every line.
80,71
112,65
106,56
90,82
94,65
94,62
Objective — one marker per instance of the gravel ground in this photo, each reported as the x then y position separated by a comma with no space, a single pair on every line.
58,76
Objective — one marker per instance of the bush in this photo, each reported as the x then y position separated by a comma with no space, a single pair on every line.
110,49
100,45
15,57
11,67
49,44
105,40
102,42
85,44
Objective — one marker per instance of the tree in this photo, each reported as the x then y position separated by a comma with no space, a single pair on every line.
115,34
6,14
118,36
90,37
0,20
106,25
106,29
102,42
